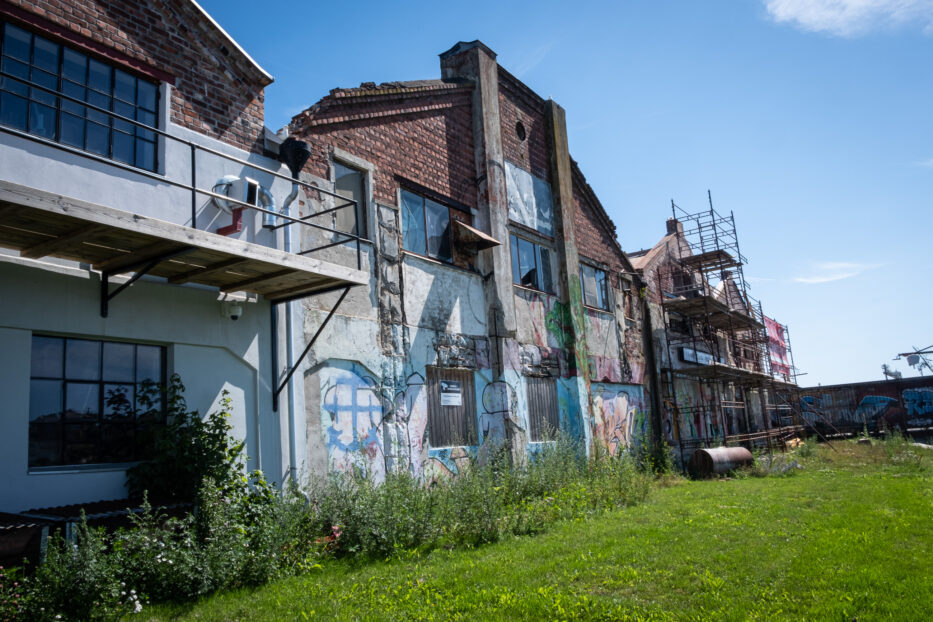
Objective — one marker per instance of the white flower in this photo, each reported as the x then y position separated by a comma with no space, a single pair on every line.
138,607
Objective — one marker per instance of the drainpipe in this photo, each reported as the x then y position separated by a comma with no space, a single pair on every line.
293,153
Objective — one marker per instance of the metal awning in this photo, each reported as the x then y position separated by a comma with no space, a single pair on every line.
471,236
717,259
40,224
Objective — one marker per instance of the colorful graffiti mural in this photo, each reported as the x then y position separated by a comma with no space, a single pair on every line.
620,415
893,403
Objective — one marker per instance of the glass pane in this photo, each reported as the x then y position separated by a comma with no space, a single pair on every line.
348,182
45,400
148,402
124,110
82,359
98,76
81,443
516,273
45,55
145,154
78,92
124,86
118,362
602,290
81,401
41,120
74,66
98,139
16,43
148,118
146,95
118,402
413,222
47,356
49,81
101,101
544,263
45,444
124,147
72,130
526,260
149,364
13,110
437,222
117,443
20,70
588,280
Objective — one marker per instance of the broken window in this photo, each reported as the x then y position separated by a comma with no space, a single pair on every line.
531,264
350,183
451,407
595,287
543,421
426,226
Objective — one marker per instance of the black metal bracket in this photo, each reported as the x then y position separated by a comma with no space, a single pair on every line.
291,372
141,268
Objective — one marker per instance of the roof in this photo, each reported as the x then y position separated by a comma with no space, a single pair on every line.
645,257
205,16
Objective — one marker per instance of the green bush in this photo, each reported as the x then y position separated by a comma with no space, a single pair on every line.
11,595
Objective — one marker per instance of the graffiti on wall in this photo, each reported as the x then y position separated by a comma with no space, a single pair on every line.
871,405
619,415
692,413
352,418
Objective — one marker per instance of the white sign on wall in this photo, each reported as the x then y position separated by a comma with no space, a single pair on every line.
451,393
529,199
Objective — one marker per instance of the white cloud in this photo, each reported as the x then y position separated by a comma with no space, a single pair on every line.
532,59
849,18
835,271
926,163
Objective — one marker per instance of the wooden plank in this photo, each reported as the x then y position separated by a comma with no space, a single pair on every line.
75,236
310,288
238,285
207,270
126,262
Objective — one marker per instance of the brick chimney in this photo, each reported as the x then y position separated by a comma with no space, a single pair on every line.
674,226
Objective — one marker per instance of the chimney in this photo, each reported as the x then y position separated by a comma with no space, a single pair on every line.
674,226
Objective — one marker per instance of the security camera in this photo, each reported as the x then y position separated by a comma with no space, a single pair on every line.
232,310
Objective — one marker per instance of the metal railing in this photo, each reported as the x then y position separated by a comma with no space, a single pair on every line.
192,186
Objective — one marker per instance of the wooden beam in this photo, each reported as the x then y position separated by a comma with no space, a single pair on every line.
206,270
75,236
309,288
128,261
271,276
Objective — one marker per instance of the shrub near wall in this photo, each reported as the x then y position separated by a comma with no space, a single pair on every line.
246,532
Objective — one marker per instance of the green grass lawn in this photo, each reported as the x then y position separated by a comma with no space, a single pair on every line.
848,537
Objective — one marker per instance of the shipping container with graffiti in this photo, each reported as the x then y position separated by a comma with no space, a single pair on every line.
905,404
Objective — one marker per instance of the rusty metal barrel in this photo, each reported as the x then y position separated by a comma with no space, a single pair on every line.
718,460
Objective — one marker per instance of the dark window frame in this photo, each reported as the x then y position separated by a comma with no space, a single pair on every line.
603,298
543,280
362,206
71,123
124,414
425,250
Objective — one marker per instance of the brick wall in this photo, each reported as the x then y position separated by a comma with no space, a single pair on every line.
594,240
216,91
427,139
518,103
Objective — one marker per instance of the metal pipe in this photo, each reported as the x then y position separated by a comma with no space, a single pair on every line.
718,460
290,350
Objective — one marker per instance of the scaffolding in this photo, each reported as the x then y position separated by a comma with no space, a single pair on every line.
716,333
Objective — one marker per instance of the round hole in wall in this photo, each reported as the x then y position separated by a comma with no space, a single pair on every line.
520,130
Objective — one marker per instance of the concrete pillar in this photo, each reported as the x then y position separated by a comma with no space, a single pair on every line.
476,63
569,272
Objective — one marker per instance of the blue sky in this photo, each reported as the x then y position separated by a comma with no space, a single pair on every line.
811,120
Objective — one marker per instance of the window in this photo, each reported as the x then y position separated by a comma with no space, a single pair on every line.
531,264
426,226
91,402
32,58
351,183
595,287
543,420
451,407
